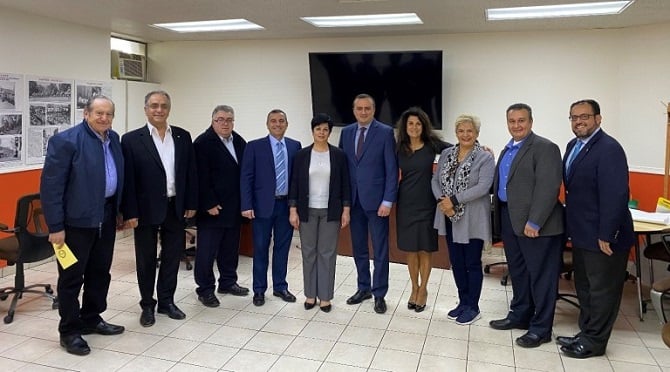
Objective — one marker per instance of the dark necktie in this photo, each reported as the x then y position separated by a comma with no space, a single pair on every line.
361,140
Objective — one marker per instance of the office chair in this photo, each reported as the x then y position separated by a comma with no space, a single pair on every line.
660,288
497,243
567,269
657,251
29,243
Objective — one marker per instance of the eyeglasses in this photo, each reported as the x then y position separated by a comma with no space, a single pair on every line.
582,117
224,120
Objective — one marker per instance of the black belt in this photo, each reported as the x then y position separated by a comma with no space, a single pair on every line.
281,197
110,200
502,203
171,199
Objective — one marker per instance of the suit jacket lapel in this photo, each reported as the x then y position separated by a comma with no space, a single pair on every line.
148,142
369,136
525,147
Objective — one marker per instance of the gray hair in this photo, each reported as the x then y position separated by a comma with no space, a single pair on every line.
468,118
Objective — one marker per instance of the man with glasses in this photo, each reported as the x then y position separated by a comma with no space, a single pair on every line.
265,173
218,153
160,193
529,217
599,225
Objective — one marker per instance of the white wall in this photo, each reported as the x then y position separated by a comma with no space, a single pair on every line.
483,73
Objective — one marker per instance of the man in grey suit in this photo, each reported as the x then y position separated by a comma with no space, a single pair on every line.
529,217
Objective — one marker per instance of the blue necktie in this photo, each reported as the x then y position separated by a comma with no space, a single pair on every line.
280,170
574,153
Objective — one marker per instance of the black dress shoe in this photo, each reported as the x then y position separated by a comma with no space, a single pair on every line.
566,340
234,290
74,344
147,319
103,328
259,299
506,323
284,295
580,351
359,297
209,300
309,305
380,305
326,308
172,311
530,340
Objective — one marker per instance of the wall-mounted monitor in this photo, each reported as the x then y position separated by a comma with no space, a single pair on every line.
396,80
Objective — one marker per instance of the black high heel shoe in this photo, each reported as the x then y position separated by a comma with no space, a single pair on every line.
411,305
309,306
419,308
326,308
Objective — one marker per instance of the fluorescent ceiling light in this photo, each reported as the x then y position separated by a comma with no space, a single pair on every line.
557,11
365,20
211,26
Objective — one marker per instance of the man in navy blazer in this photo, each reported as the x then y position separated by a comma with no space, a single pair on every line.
373,172
599,225
159,193
218,153
264,178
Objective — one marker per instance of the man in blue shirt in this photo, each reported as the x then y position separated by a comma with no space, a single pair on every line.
530,219
80,190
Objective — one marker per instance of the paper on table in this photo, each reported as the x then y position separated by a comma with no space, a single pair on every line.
650,217
64,255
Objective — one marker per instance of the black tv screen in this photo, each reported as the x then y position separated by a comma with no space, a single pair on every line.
396,80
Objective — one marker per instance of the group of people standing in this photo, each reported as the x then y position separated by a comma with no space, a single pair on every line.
155,177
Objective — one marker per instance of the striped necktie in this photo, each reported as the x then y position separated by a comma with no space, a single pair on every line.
280,170
573,154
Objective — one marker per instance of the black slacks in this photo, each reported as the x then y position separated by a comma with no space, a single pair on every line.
220,244
94,248
599,280
173,242
534,266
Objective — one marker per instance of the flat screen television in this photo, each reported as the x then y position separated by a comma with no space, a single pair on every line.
396,80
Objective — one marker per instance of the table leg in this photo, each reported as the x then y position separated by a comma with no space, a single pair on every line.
638,277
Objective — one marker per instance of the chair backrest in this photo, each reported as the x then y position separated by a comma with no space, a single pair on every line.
32,231
665,239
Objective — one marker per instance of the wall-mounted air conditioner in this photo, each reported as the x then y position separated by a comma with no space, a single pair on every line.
128,66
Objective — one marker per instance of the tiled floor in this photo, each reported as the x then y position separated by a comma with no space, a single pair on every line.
238,336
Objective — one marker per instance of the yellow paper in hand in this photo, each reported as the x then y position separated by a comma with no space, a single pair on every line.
64,255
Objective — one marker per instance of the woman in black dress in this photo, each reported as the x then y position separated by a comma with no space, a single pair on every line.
418,146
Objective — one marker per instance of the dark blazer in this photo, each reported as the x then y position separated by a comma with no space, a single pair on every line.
72,186
145,195
374,177
339,187
257,177
218,179
533,186
596,195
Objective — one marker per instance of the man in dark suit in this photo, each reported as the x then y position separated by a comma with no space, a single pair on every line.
530,218
264,178
80,190
599,225
218,153
373,172
160,192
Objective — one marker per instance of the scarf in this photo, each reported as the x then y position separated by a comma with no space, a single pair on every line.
455,179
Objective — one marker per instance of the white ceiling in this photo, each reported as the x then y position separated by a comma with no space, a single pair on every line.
281,18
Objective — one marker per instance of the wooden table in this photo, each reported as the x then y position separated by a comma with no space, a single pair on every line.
644,230
440,258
